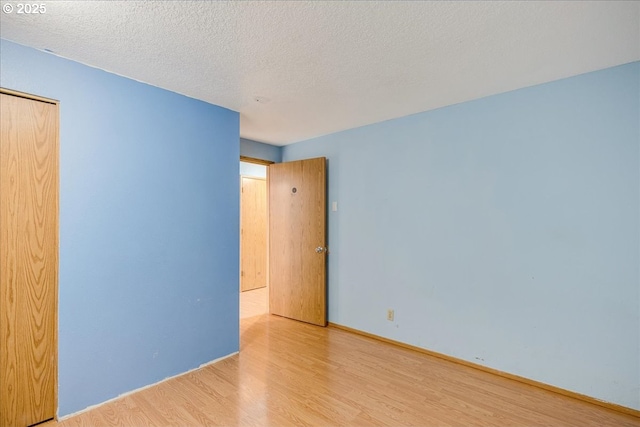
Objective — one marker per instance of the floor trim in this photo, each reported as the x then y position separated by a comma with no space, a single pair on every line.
60,419
584,398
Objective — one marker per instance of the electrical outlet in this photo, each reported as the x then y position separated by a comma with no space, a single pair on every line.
390,314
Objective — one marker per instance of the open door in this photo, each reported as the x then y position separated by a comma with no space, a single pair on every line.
297,240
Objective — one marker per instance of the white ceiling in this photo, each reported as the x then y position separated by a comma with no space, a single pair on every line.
329,66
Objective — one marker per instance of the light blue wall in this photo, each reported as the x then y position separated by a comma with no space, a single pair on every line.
503,231
252,169
148,227
259,150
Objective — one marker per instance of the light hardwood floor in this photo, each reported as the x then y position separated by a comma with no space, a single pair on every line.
290,373
254,302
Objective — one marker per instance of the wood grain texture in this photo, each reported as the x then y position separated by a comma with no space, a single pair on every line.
28,260
297,226
589,399
253,233
291,373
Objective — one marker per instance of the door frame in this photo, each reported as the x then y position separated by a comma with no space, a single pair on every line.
256,161
56,292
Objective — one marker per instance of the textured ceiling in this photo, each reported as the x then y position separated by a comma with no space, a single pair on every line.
322,67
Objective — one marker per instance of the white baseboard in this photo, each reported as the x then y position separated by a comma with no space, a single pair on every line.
89,408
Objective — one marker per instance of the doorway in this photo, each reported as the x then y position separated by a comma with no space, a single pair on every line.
296,253
254,277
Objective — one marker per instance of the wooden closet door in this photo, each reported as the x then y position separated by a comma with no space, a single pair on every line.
253,233
28,260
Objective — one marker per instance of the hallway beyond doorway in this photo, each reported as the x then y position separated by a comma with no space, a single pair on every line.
254,302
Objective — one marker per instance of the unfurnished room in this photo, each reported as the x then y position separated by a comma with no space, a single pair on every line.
320,213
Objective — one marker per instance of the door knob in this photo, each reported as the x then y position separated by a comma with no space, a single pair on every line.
320,249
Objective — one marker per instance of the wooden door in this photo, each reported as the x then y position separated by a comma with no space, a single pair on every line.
253,233
28,260
297,240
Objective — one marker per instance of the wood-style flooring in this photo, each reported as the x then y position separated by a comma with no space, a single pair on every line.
254,302
293,374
